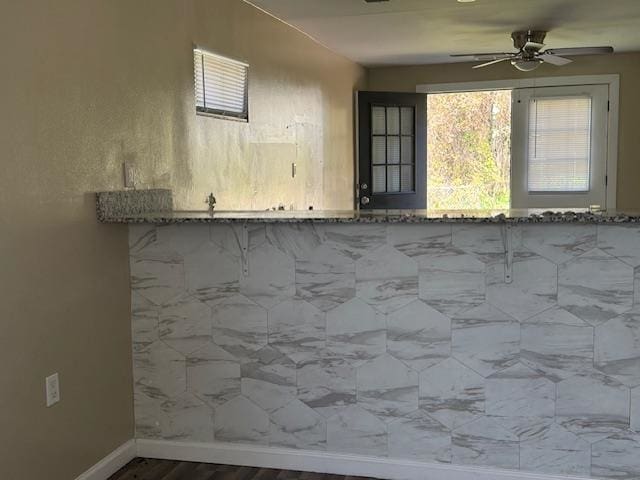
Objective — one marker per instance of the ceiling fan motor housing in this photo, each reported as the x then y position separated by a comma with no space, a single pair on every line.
520,39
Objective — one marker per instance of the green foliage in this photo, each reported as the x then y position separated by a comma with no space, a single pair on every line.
468,150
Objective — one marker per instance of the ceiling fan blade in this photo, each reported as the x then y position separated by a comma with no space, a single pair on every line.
533,46
484,56
491,63
580,51
554,59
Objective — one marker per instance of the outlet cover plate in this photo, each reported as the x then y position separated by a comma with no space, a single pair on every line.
52,383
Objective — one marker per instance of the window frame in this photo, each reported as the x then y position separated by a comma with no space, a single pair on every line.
611,81
221,113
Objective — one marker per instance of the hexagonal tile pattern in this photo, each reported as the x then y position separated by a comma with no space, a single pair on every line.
326,278
354,430
386,279
355,331
616,457
186,418
240,326
518,391
159,371
418,240
140,237
483,241
144,322
617,348
485,339
417,436
595,298
240,420
185,324
451,280
559,243
484,442
271,276
211,274
269,379
147,416
297,426
419,335
229,236
452,393
296,240
592,406
213,375
354,241
557,344
184,238
387,388
533,288
326,383
555,450
621,241
157,273
297,329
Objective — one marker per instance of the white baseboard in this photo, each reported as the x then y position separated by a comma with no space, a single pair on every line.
324,462
111,463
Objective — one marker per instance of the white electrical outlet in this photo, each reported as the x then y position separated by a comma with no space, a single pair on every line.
53,389
129,171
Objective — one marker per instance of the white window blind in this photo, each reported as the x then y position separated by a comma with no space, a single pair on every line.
559,157
221,85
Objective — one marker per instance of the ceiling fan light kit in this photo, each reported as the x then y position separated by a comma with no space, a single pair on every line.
531,53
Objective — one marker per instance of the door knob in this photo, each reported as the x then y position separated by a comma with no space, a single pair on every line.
364,200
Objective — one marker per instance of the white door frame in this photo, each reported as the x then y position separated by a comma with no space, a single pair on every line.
612,81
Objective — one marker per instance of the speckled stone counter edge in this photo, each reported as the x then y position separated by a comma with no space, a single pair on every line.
550,217
111,206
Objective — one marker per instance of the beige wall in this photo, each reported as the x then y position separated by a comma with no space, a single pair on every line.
626,65
86,85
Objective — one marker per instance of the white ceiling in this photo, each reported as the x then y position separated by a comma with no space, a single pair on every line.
427,31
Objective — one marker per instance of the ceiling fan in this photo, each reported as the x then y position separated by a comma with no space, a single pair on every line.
530,54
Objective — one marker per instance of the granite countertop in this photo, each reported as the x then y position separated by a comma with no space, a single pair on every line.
380,216
155,206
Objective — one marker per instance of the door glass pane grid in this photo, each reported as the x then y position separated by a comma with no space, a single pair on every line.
393,149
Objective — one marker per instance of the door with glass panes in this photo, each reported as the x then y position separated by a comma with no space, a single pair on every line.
391,150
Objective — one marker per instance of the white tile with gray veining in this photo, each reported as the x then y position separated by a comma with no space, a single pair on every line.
559,243
417,436
386,279
593,406
557,344
555,450
211,274
295,425
622,242
617,457
326,383
485,339
242,421
355,241
354,430
159,371
271,277
269,379
595,287
452,393
213,375
356,332
387,388
326,278
297,329
240,326
419,335
617,348
144,322
484,442
451,280
185,324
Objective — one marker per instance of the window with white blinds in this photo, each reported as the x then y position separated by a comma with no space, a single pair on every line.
221,85
559,157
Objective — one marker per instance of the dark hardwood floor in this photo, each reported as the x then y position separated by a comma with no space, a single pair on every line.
148,469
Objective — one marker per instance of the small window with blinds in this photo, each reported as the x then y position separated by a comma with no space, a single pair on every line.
559,157
221,86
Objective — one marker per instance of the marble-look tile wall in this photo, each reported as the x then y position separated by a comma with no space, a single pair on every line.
394,340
